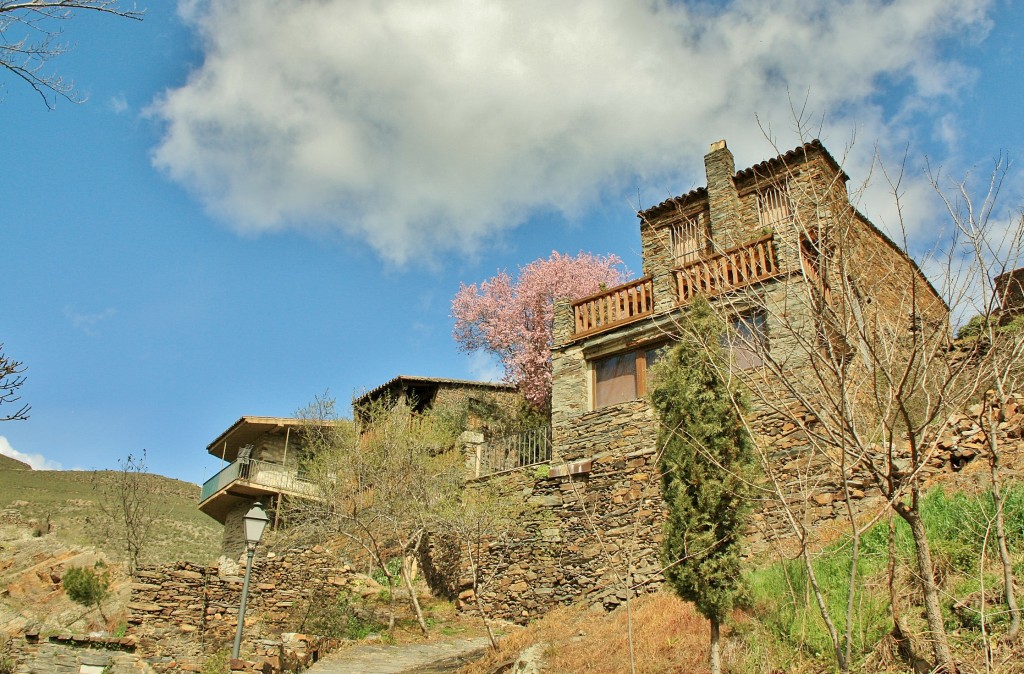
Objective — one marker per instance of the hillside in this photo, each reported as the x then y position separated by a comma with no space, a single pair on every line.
66,504
31,569
7,463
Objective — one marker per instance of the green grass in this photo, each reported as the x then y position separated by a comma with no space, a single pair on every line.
957,525
68,500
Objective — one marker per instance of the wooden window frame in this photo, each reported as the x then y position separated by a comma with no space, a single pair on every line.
640,379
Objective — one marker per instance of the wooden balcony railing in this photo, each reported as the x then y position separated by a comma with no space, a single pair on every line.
614,306
737,267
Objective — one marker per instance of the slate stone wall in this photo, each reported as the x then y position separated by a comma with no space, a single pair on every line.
590,528
181,613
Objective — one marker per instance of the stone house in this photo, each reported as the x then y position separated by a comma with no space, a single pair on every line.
421,394
1010,291
763,243
752,239
264,455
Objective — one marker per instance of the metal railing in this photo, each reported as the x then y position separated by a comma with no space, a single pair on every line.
513,451
735,268
274,476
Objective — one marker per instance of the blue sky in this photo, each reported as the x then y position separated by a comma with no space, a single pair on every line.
255,206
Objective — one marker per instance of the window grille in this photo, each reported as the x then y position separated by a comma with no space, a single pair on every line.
774,206
689,239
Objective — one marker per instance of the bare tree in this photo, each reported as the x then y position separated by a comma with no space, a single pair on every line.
861,364
481,518
126,501
381,486
993,248
30,37
11,380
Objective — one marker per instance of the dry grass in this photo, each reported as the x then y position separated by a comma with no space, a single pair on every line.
669,636
65,503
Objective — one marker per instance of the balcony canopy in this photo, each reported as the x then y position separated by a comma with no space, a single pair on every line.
246,431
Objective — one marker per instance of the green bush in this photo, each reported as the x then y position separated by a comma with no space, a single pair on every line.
956,525
85,586
394,568
217,663
971,328
339,619
7,663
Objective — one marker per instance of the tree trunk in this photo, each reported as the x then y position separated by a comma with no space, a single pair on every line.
812,578
900,632
406,576
715,657
1004,553
926,579
475,570
851,592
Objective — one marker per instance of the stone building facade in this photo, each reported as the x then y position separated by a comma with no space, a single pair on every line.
764,244
263,457
420,394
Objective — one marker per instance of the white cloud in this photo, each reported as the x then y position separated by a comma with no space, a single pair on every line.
37,461
118,104
88,323
420,127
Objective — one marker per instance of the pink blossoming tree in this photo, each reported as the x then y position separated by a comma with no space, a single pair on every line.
513,319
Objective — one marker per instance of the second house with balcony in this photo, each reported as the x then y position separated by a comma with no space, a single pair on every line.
263,456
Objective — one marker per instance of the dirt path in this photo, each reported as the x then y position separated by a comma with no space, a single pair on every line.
435,657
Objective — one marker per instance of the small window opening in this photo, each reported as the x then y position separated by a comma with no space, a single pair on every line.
774,206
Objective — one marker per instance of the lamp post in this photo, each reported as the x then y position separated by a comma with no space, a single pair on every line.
255,521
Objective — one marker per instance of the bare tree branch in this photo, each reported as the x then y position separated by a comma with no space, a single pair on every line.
30,32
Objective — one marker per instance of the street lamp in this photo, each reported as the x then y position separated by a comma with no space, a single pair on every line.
254,522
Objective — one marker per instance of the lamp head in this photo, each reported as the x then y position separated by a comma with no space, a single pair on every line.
255,521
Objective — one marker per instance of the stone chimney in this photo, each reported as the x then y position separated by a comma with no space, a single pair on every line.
723,199
564,321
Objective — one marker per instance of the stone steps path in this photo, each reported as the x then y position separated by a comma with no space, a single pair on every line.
432,657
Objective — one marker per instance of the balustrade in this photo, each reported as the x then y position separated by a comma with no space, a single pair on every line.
615,306
741,266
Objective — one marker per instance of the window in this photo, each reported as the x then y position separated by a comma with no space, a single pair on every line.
774,206
623,377
689,239
748,339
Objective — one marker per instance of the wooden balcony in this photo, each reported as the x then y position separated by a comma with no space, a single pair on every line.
249,479
615,306
735,268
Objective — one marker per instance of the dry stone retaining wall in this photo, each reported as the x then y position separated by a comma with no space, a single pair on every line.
180,613
590,529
